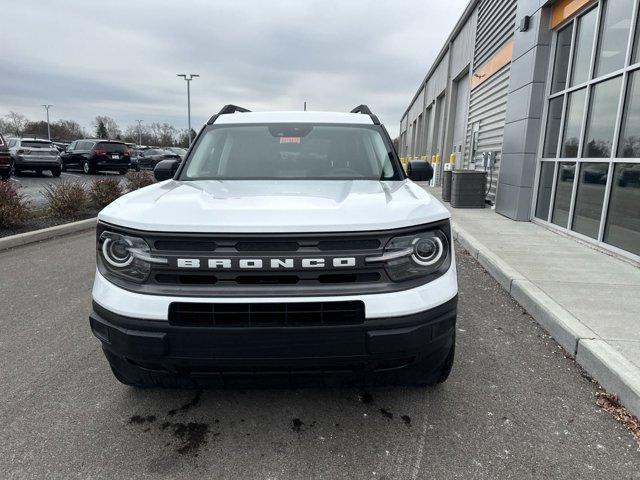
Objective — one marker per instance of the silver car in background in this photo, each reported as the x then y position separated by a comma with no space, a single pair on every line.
35,155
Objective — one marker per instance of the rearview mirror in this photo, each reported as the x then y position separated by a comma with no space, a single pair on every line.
165,169
419,171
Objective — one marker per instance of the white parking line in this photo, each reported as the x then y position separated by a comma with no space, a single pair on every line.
70,174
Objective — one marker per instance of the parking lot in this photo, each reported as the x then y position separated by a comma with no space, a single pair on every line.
31,184
514,407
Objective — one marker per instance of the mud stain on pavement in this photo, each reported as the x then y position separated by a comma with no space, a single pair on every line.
193,435
386,413
139,419
296,425
187,406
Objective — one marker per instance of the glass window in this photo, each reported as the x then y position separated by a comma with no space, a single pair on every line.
573,123
629,144
564,188
616,24
622,229
291,151
552,134
584,47
589,198
601,123
563,50
544,190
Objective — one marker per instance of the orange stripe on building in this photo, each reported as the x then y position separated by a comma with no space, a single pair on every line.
565,9
493,65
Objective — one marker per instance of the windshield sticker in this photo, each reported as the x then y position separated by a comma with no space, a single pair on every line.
289,139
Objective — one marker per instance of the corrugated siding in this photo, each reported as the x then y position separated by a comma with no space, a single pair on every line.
496,24
462,47
487,109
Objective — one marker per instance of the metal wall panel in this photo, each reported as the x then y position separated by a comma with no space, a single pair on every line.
462,47
487,110
495,25
438,81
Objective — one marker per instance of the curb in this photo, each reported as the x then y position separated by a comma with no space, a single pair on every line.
46,233
614,371
602,361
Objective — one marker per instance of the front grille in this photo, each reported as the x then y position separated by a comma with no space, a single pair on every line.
185,245
222,265
266,314
266,279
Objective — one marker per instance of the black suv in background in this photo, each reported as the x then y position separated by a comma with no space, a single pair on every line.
6,163
150,158
92,156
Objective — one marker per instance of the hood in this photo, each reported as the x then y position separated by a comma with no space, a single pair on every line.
246,206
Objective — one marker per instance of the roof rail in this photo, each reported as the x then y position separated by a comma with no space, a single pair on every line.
364,109
227,109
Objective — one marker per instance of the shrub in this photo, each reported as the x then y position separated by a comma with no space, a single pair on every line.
65,199
104,191
136,180
14,210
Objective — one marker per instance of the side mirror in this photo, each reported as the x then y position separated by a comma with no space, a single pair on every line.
419,171
165,169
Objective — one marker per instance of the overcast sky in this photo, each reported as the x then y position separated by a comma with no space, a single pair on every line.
120,58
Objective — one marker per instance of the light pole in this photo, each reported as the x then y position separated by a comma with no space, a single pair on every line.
188,77
139,131
47,107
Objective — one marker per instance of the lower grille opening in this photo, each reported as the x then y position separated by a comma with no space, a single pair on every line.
266,314
267,279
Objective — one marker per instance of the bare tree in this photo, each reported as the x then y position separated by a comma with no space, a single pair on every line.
111,127
16,122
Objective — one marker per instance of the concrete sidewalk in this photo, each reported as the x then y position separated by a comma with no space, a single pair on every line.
588,300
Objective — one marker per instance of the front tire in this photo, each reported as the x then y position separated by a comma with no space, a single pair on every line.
55,172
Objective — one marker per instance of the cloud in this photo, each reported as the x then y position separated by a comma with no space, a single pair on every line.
121,58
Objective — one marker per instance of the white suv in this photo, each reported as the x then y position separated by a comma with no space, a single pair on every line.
284,243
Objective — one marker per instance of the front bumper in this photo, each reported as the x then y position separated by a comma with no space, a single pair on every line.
375,345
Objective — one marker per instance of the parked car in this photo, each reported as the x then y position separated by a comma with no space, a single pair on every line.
630,173
92,156
179,150
133,154
35,155
6,163
596,173
289,242
150,158
61,146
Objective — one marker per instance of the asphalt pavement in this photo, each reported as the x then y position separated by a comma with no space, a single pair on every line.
31,184
514,407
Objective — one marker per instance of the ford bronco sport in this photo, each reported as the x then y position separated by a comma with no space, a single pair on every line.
285,243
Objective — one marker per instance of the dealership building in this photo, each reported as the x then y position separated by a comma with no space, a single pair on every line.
545,97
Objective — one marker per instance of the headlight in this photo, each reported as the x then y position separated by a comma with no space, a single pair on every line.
413,256
126,256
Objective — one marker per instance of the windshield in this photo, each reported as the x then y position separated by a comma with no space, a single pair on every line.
36,144
292,152
111,147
